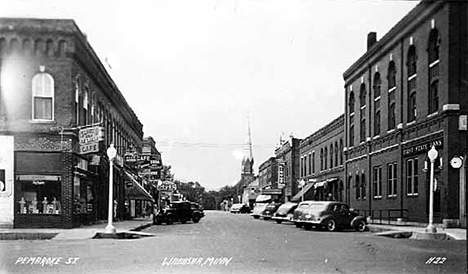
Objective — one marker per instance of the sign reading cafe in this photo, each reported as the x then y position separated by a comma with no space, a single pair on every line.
89,139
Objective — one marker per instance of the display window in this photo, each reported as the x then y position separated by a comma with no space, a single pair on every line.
39,197
83,195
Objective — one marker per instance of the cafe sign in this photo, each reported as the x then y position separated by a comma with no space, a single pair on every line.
89,139
423,148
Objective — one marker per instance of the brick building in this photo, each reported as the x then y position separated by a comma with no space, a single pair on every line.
268,178
408,92
59,111
287,157
321,164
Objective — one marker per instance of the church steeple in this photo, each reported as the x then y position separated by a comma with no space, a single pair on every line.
248,159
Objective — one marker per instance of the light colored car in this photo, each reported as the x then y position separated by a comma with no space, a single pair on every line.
258,210
240,208
285,212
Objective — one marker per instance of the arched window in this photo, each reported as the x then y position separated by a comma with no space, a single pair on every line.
411,63
50,47
325,161
341,151
85,105
392,115
391,76
14,46
351,103
336,153
433,52
411,67
43,97
321,159
377,85
362,96
77,101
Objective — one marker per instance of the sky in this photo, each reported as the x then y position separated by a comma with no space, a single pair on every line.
194,70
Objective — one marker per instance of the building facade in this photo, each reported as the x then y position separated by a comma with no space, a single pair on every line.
59,112
407,93
268,178
287,157
321,164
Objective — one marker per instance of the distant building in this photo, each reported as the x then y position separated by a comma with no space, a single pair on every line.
287,157
268,179
408,92
321,164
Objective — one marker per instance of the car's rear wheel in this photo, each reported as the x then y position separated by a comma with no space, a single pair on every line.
361,226
156,222
308,227
298,225
256,217
195,219
183,221
266,218
331,225
169,221
279,221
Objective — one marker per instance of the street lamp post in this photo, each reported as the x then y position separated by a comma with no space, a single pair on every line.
111,153
432,154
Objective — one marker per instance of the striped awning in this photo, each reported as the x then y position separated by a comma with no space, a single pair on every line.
136,191
303,191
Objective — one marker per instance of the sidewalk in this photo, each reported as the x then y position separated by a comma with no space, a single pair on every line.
418,232
79,233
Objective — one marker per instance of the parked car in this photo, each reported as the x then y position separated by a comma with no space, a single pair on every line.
331,216
258,210
270,210
179,212
298,212
285,212
240,208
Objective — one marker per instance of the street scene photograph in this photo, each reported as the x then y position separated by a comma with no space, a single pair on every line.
233,136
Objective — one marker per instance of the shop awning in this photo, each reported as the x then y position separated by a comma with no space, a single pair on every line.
136,191
263,198
303,191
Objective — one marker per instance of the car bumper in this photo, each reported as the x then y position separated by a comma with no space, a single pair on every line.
285,219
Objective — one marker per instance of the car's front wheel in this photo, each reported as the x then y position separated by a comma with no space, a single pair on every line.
279,221
169,221
256,217
195,219
361,226
308,227
298,225
331,225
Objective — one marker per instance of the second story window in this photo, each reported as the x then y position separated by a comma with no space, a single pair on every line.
433,52
43,97
411,67
377,85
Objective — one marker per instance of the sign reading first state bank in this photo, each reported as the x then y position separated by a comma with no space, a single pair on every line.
89,139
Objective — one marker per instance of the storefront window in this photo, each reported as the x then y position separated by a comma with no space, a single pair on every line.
83,196
39,197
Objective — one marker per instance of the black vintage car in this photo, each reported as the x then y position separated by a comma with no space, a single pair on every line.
329,215
179,212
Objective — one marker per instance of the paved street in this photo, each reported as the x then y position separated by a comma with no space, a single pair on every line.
231,243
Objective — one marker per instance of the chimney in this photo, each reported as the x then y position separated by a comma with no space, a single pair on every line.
371,39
